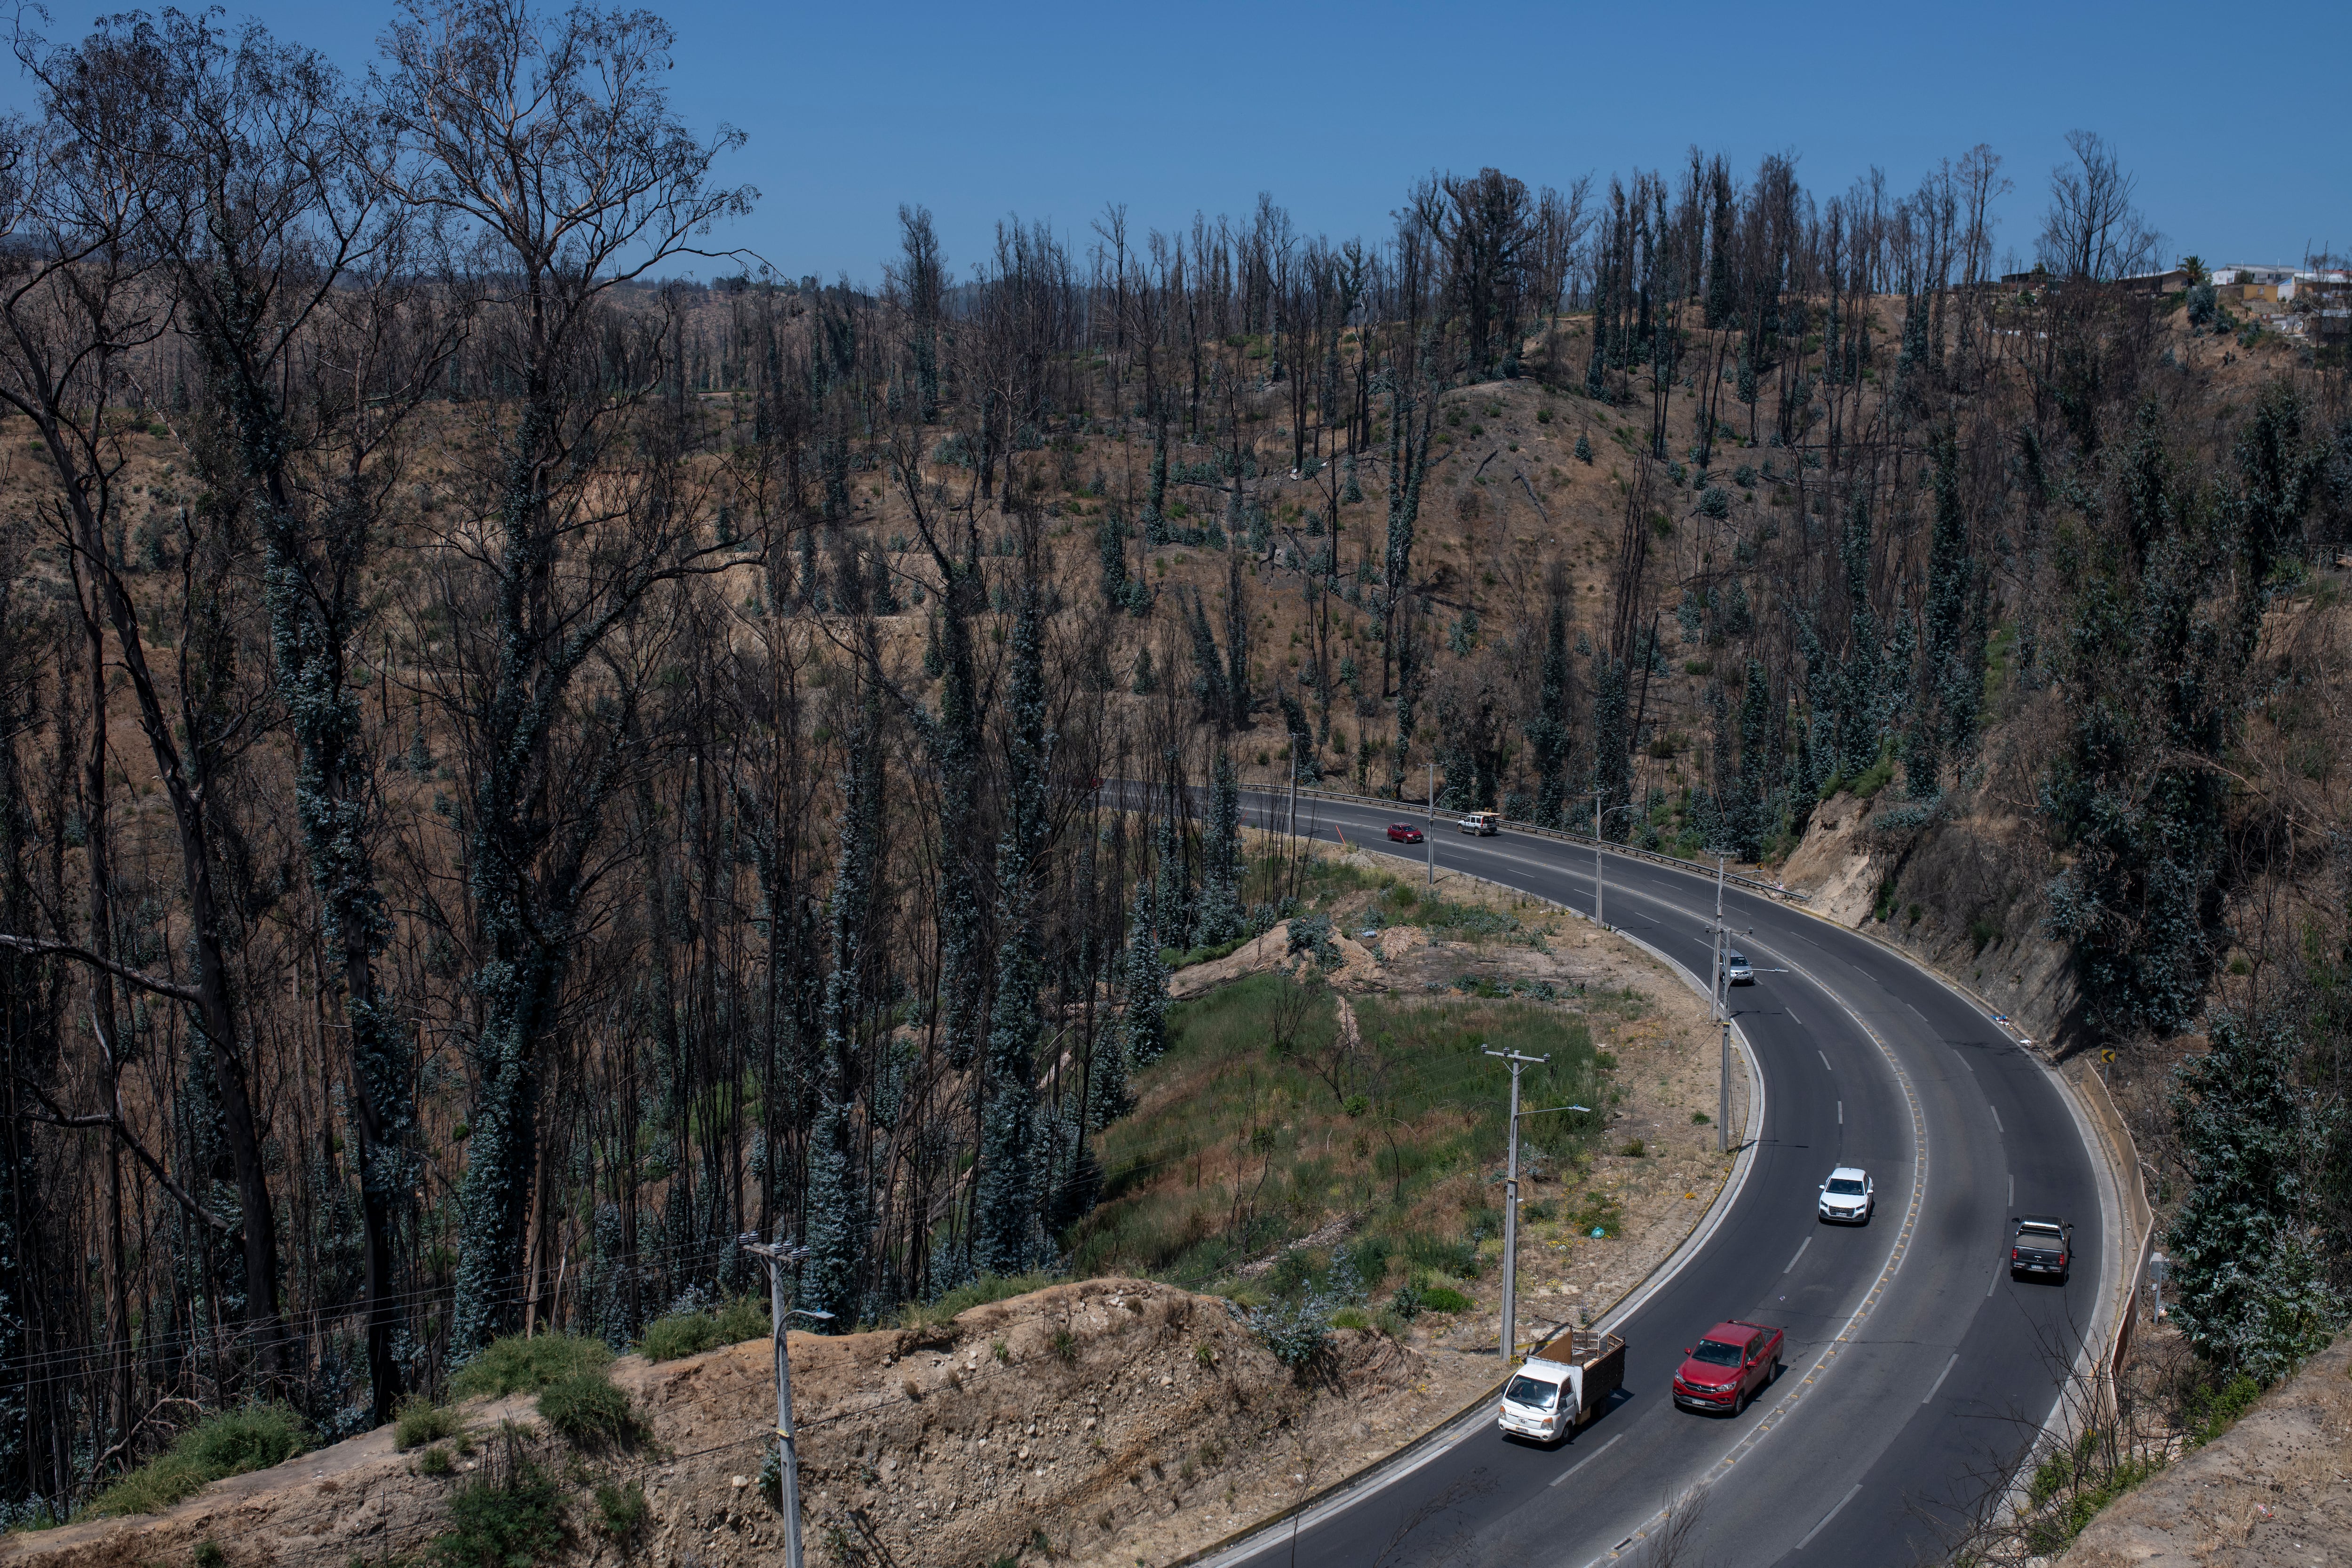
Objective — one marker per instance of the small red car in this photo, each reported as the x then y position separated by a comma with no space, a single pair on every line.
1724,1370
1405,833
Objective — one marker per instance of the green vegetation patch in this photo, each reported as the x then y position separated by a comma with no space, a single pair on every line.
691,1333
421,1421
228,1444
1261,1124
621,1511
502,1523
518,1365
925,1315
588,1411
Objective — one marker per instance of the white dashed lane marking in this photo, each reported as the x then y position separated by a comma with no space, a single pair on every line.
1832,1513
1940,1376
1589,1458
1787,1402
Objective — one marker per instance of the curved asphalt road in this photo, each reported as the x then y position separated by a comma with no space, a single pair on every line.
1945,1362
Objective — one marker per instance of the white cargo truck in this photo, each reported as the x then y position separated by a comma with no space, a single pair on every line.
1562,1386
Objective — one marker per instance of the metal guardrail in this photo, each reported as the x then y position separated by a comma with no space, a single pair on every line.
1566,835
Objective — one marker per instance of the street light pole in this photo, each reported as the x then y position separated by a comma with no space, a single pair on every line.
1429,836
1720,1010
1600,877
1511,1212
788,1467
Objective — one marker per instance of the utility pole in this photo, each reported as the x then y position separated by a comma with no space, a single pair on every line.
1511,1212
1722,1096
1429,836
788,1467
1723,1022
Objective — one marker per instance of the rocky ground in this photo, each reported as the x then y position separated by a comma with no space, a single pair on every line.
1116,1419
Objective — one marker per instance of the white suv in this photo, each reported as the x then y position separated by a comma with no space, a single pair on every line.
1847,1197
1735,971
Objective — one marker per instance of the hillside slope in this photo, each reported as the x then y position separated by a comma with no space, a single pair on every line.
2272,1491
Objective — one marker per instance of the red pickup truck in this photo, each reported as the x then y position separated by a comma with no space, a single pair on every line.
1724,1370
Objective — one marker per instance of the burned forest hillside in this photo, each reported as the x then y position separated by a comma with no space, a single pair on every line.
527,767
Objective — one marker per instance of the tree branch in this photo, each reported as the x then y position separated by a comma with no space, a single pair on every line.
112,1119
42,947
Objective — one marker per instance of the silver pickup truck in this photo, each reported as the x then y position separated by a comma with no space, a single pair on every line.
2043,1246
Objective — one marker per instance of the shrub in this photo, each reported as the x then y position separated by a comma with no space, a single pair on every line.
1311,934
1714,501
227,1444
588,1410
2212,1411
518,1365
619,1510
691,1334
1351,1318
435,1461
1298,1332
1876,777
420,1422
1444,1299
210,1555
1441,1255
1597,1215
495,1524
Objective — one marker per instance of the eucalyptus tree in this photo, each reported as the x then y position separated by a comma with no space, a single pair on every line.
547,150
319,330
83,295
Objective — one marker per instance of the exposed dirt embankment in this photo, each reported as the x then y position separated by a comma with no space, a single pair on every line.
1122,1419
1965,893
2275,1490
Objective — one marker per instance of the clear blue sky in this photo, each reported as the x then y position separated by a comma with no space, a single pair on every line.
2231,121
